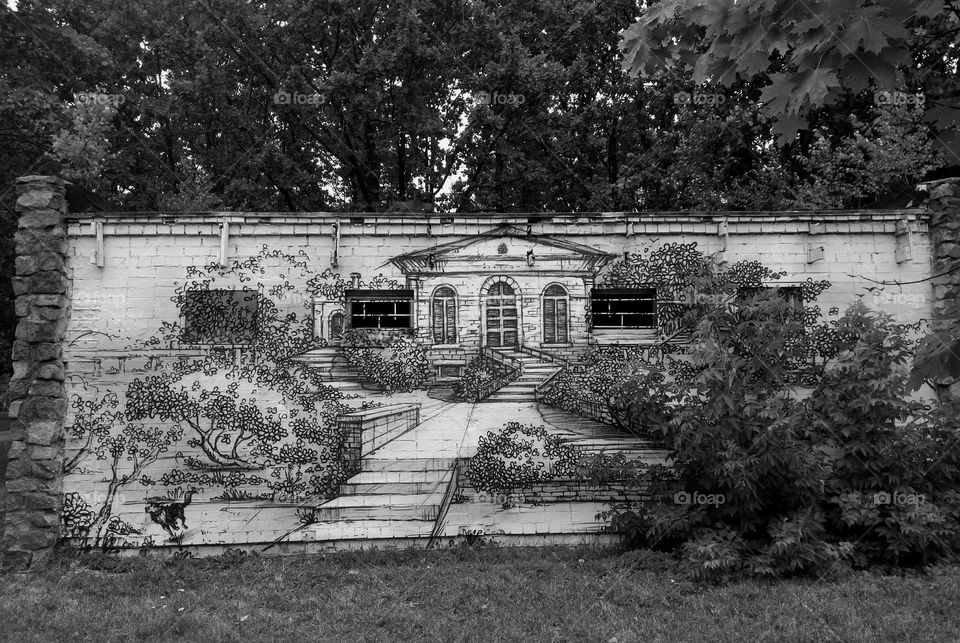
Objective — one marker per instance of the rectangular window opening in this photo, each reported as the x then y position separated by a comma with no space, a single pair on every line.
624,307
390,309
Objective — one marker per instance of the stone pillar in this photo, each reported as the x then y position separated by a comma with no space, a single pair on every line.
944,208
37,395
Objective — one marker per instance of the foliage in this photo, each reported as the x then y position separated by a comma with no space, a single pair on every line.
519,455
892,149
481,376
937,358
854,474
813,54
394,365
82,147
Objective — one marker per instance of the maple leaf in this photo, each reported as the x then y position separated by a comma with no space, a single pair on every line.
811,85
776,95
938,357
856,71
786,127
753,62
871,31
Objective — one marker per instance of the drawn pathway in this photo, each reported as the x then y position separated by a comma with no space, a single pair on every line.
401,488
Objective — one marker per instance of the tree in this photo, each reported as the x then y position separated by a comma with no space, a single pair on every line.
813,54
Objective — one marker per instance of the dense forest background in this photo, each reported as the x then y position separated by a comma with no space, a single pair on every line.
450,105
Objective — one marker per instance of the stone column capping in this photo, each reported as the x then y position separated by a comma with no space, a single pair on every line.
37,395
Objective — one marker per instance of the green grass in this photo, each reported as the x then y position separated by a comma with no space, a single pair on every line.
488,594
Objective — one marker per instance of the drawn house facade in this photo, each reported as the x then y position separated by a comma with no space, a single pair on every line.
504,289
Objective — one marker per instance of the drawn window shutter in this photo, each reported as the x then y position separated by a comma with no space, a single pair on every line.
451,320
562,336
438,320
444,316
550,320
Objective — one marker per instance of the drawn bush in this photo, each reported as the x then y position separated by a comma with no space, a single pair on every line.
76,515
481,376
394,365
519,455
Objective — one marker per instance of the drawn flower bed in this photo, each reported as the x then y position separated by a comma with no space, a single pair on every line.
519,455
394,365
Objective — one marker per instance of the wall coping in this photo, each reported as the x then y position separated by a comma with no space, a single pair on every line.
380,411
347,218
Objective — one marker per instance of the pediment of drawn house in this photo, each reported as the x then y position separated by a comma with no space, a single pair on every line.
504,249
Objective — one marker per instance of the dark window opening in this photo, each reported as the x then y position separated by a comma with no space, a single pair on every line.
221,317
380,308
624,308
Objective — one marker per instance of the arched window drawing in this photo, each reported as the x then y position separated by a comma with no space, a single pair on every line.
556,315
444,311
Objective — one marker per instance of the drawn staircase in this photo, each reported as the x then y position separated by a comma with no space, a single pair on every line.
387,499
334,368
535,371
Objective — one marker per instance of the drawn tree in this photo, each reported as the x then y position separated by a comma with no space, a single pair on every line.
128,449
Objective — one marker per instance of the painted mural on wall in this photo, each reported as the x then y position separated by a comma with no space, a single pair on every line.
286,404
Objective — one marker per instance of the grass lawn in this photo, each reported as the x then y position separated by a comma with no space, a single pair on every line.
487,594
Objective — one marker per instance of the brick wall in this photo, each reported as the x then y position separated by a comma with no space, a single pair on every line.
120,272
143,256
368,430
563,490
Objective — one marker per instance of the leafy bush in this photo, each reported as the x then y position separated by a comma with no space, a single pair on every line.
482,374
519,455
625,383
854,474
399,364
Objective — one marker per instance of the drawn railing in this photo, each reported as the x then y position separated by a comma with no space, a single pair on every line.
513,366
448,495
544,355
503,359
544,387
591,408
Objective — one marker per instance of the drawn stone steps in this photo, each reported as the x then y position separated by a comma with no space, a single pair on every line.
417,506
407,464
386,477
389,488
364,529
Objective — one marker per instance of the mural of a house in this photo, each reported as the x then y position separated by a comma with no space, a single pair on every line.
290,381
